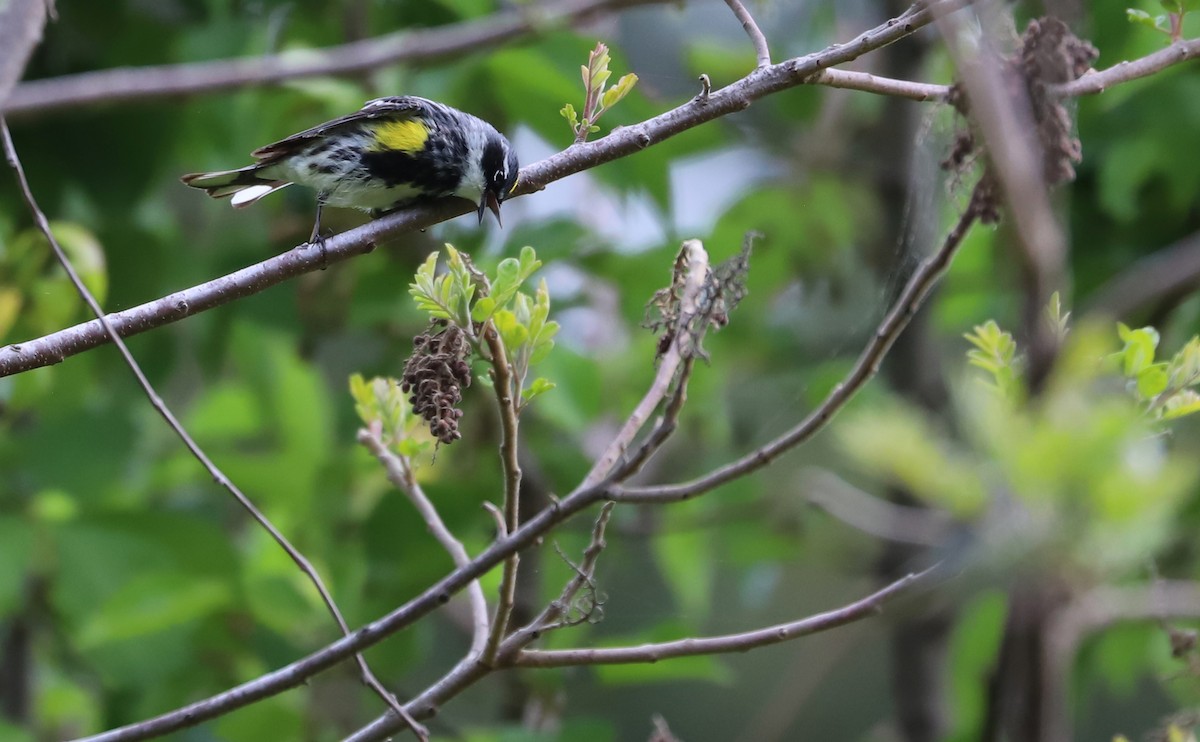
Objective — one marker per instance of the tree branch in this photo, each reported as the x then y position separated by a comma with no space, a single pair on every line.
401,476
761,50
727,643
426,45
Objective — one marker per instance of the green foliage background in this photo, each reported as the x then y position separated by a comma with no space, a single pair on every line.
143,586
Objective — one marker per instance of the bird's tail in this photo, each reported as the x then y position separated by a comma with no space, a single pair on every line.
245,185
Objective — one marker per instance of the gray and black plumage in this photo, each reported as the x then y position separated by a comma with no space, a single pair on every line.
393,152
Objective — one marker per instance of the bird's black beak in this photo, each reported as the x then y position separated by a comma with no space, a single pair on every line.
489,201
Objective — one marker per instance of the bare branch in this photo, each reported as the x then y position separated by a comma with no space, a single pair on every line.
910,300
10,153
868,83
425,45
696,259
401,475
506,401
856,611
21,23
761,49
1097,82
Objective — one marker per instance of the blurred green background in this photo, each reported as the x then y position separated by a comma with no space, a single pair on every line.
131,584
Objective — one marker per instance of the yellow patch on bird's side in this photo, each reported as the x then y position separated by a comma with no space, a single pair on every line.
407,135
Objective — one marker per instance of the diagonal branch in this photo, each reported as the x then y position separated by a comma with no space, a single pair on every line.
741,642
621,143
761,50
696,260
426,45
218,476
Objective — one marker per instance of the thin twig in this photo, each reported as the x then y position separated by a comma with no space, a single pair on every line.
664,426
621,143
741,642
910,300
697,266
506,402
583,577
400,474
867,83
426,45
10,153
761,50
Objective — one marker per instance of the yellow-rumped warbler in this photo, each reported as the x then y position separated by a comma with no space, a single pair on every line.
393,152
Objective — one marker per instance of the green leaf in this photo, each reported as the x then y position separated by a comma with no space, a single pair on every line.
568,112
151,603
1139,16
539,386
1152,381
483,309
512,333
1138,352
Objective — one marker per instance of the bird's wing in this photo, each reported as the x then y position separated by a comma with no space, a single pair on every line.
396,107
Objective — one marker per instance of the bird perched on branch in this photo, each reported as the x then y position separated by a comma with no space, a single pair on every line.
393,152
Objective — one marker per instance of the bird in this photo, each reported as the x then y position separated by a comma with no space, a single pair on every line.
393,152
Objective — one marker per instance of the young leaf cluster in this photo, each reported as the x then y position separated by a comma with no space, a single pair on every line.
1168,387
996,353
385,410
597,98
473,301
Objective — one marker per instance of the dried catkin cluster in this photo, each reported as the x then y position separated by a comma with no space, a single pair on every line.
435,376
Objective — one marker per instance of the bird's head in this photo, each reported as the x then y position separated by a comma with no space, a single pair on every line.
500,170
